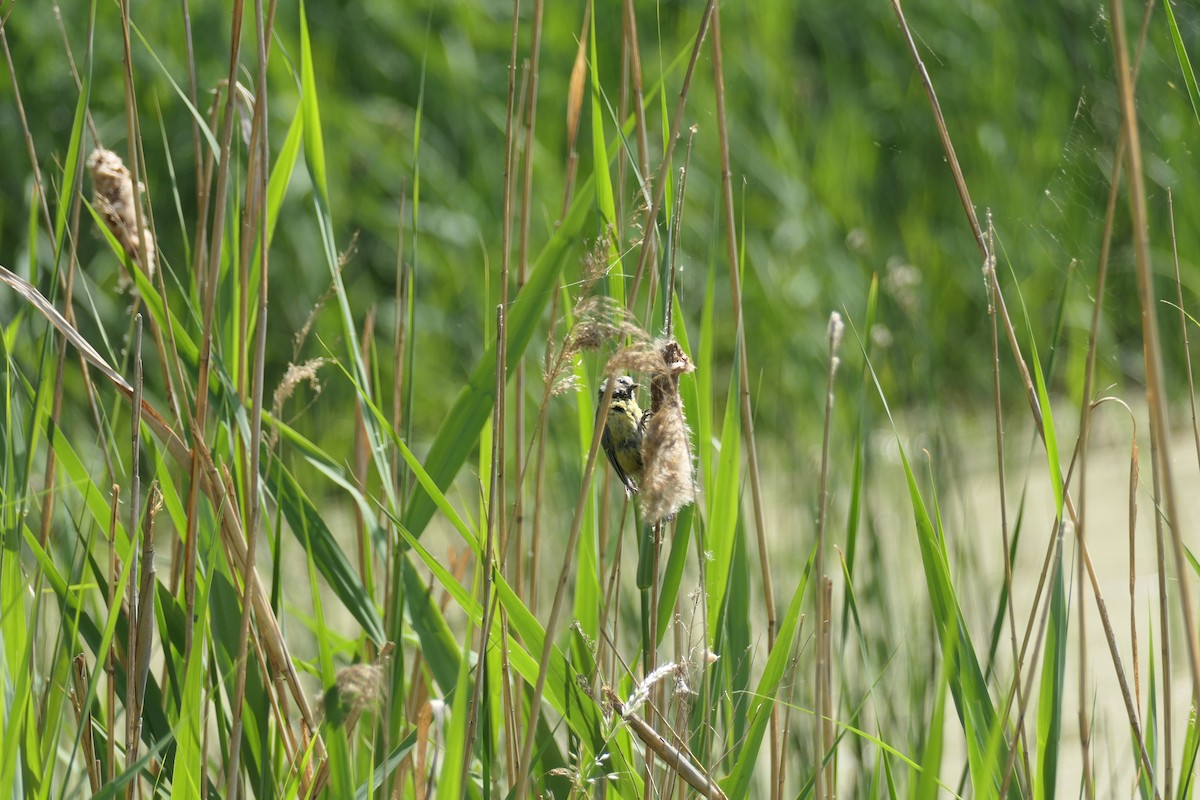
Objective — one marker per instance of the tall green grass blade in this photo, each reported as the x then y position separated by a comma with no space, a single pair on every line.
450,782
118,786
602,182
926,787
1185,63
206,133
672,577
188,723
459,433
1050,694
314,141
1151,727
967,685
14,653
723,507
1187,762
71,165
563,692
737,783
858,469
589,595
328,556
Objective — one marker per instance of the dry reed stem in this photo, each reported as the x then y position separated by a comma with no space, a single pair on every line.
1155,389
649,226
114,607
670,755
79,690
535,701
133,656
219,494
964,197
998,414
255,217
823,785
747,410
487,558
1084,436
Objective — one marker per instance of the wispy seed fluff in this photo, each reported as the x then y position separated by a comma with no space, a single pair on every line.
837,329
667,484
112,196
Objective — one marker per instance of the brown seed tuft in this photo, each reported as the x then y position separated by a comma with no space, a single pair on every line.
667,484
295,375
113,198
359,688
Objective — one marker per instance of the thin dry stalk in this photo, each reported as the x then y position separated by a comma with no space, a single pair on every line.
997,405
968,208
133,713
399,346
826,647
735,284
208,283
143,237
220,494
62,33
114,607
497,534
256,191
1023,704
1155,396
535,701
639,110
361,463
40,199
190,59
823,786
649,226
1084,436
487,558
145,601
48,478
79,684
518,524
650,657
610,594
1187,361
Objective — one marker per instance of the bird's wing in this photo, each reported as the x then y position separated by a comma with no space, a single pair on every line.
610,450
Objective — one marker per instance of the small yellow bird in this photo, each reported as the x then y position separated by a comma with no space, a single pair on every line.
622,439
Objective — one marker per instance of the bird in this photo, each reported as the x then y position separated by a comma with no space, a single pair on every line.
622,438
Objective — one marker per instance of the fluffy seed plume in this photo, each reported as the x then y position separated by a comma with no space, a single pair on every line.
296,374
112,195
358,688
667,483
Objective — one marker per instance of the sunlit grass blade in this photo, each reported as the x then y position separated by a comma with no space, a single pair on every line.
308,527
926,786
458,435
74,159
1185,63
738,782
723,508
1050,695
966,679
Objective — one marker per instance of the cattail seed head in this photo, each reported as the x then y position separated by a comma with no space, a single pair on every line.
113,197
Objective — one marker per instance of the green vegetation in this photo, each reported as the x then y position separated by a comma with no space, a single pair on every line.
302,492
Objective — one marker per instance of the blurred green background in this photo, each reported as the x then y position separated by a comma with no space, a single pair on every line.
838,171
